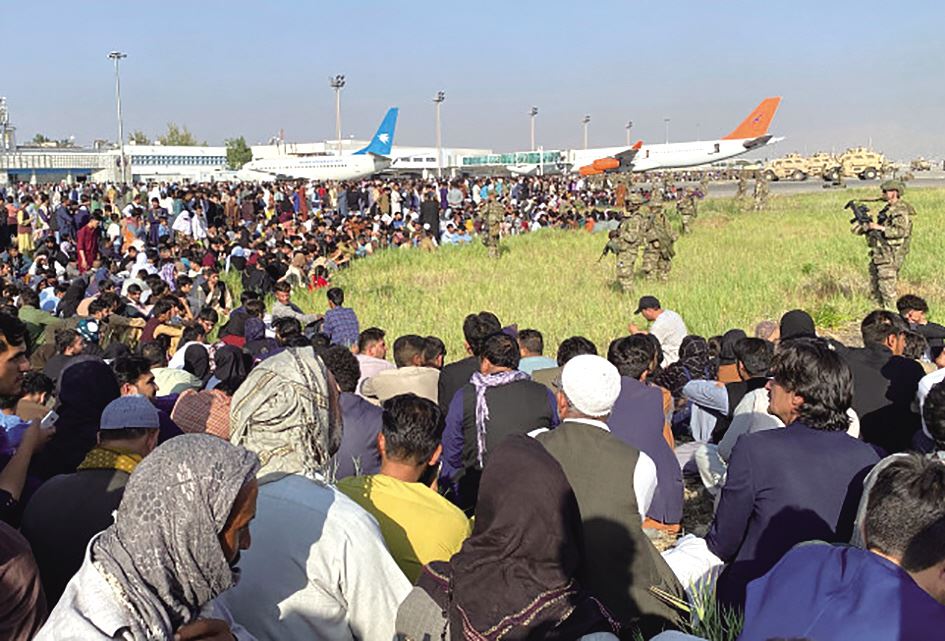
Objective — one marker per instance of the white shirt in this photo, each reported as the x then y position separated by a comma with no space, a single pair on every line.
317,568
926,383
671,330
644,474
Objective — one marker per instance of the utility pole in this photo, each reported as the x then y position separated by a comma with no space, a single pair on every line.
532,113
437,101
337,83
666,122
116,56
629,127
585,121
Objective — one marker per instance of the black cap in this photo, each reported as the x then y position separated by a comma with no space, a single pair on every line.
648,302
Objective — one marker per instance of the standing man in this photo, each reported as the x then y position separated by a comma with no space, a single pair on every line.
686,207
430,215
627,243
665,324
492,216
742,192
658,251
888,238
761,191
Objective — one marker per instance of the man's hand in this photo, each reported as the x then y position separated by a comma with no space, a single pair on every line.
35,437
875,227
205,630
633,329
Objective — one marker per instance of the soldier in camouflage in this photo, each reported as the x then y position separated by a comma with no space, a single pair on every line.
889,238
629,236
686,207
761,191
704,184
658,249
742,192
493,214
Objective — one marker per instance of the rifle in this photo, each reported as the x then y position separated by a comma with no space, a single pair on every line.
861,213
607,248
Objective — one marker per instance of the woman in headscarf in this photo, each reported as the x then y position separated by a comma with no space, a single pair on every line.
517,576
85,387
70,300
728,368
695,363
319,568
231,369
172,550
197,361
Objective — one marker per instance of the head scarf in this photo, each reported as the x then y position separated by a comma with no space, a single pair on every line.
70,300
483,382
695,363
84,388
162,556
231,367
797,324
282,412
729,339
197,361
204,411
516,577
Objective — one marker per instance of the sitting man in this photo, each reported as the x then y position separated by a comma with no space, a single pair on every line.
68,510
894,589
798,483
410,377
497,402
341,323
419,525
532,346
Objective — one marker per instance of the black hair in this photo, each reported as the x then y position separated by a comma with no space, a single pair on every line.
412,428
433,349
531,341
879,325
755,355
64,337
155,353
574,346
98,305
134,288
282,286
184,280
248,295
343,365
911,302
162,307
128,369
36,382
209,314
916,345
13,332
809,368
192,333
477,327
370,336
408,347
933,413
336,296
905,513
286,326
501,350
29,296
631,355
255,308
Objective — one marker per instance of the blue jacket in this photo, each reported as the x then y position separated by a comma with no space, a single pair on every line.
65,222
838,593
783,487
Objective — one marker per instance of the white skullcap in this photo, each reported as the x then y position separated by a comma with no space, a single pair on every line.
591,383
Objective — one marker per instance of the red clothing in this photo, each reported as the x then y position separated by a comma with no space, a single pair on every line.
86,241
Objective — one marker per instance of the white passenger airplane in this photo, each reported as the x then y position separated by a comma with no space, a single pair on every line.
364,162
751,134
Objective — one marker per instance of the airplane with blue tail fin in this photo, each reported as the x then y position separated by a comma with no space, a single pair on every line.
373,158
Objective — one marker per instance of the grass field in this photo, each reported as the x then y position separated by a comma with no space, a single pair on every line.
734,270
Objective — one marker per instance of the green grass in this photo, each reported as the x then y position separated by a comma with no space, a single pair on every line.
734,270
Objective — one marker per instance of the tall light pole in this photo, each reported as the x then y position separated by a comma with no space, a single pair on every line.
437,101
666,122
629,127
531,114
585,121
337,83
116,56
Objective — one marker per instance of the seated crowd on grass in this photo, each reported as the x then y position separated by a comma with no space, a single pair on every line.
223,467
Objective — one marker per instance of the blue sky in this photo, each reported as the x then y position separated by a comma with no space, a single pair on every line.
848,71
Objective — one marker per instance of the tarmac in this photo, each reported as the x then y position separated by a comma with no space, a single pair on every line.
728,189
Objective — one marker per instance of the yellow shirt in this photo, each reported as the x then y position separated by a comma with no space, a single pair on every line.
419,525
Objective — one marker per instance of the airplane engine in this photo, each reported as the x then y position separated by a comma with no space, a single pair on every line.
604,164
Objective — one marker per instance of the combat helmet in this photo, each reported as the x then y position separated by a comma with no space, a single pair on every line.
893,185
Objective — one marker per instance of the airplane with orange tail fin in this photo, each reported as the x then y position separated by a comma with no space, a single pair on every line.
751,134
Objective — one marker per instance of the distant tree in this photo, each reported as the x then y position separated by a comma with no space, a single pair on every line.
177,136
238,152
138,138
39,139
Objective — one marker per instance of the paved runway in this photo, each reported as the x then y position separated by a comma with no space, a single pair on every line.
727,189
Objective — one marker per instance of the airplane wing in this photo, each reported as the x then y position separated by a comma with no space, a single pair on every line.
620,161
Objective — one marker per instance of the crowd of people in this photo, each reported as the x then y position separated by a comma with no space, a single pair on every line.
219,466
